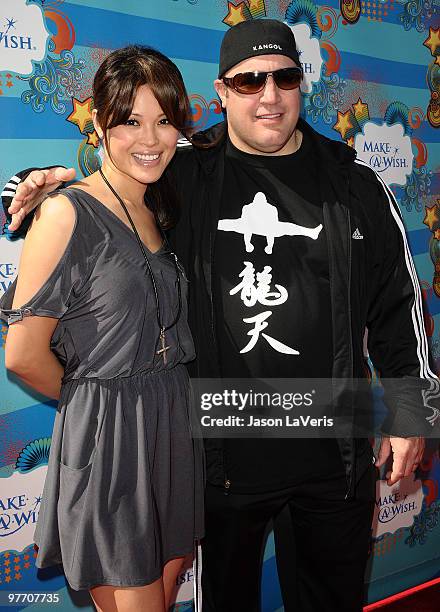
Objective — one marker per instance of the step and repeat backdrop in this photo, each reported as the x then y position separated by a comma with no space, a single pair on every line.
372,79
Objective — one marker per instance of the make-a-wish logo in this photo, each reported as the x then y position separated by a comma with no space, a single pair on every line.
9,258
387,150
23,36
396,506
8,271
19,507
309,55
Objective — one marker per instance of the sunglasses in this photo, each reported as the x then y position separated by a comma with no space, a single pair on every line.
253,82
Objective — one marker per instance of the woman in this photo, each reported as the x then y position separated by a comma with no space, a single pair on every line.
100,307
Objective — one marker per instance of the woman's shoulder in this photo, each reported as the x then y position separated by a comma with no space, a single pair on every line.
70,206
56,212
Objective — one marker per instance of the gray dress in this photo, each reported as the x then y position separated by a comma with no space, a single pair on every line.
124,486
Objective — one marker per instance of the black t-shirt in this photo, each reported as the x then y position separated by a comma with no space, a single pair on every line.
272,302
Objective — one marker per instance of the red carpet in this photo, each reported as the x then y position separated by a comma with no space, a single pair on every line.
422,598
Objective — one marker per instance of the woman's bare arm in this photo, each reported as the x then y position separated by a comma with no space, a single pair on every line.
28,352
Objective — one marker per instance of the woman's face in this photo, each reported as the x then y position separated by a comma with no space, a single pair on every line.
143,147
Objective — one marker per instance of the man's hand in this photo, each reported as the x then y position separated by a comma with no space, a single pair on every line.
31,192
407,454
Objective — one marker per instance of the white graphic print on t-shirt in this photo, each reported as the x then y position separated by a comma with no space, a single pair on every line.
261,218
251,294
260,324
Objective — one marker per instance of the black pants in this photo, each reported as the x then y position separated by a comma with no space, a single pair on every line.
322,544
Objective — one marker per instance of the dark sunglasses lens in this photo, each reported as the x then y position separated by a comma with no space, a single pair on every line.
253,82
289,78
249,82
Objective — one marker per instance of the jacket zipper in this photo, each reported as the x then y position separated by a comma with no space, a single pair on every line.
211,255
211,299
350,344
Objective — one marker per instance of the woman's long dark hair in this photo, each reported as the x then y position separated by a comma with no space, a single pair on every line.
114,89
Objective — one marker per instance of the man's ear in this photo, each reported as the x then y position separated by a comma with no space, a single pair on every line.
221,90
96,124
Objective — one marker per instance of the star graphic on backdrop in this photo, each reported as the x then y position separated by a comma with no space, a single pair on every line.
431,216
343,124
81,114
236,14
360,108
433,40
93,139
437,234
257,7
10,23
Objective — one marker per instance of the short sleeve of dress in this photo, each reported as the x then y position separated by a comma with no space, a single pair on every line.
62,287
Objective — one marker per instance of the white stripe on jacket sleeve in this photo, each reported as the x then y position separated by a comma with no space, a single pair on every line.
416,309
11,187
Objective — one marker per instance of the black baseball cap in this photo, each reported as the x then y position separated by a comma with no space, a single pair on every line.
256,37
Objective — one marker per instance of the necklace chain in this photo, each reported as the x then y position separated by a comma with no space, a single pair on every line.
162,327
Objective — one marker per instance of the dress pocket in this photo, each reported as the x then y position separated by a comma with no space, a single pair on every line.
84,411
74,487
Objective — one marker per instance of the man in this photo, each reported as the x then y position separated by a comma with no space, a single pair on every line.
264,163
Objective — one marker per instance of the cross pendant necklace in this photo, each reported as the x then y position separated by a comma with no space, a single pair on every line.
163,350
